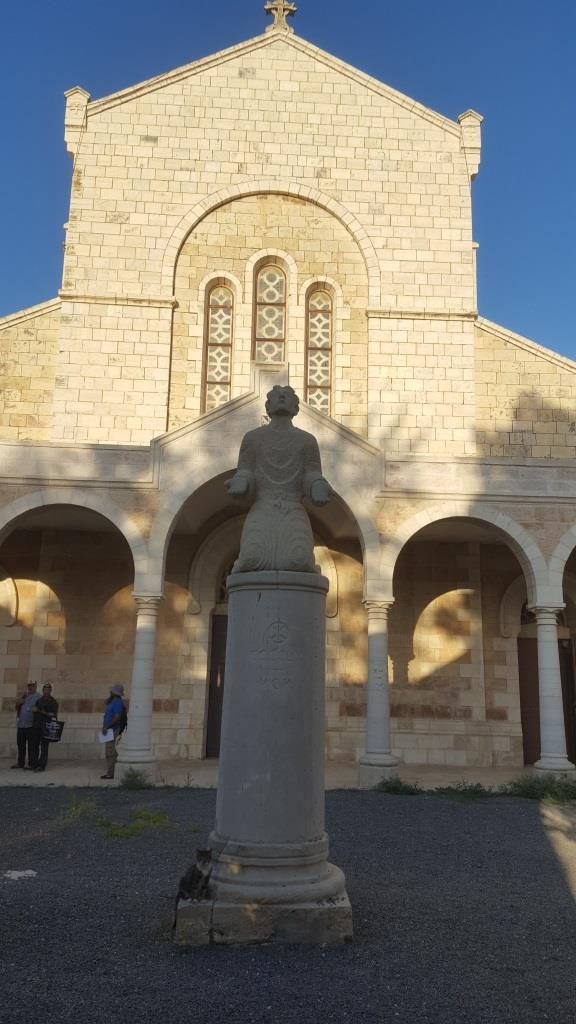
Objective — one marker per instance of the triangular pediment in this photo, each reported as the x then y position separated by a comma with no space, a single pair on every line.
275,41
209,446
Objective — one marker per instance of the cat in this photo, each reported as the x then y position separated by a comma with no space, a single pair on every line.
195,884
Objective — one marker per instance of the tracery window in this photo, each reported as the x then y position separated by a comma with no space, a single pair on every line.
319,315
270,315
218,346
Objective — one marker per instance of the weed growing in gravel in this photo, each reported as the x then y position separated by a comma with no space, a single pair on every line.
78,808
140,821
556,789
396,787
464,791
133,779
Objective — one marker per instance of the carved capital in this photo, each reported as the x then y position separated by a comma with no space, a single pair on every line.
546,616
148,603
378,609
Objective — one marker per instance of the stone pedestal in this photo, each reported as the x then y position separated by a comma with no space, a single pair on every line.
271,877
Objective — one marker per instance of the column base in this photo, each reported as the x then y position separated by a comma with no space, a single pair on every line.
146,769
549,764
216,922
373,768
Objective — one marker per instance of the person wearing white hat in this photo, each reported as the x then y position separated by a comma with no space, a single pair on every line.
115,720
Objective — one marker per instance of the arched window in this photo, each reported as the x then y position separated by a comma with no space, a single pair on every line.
218,346
319,349
270,315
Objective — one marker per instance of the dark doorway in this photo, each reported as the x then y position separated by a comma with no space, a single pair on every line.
216,683
529,706
567,672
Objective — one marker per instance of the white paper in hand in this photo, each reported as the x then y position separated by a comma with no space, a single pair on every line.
105,737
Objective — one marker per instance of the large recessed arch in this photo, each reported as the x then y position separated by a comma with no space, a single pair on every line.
353,502
522,544
51,496
262,186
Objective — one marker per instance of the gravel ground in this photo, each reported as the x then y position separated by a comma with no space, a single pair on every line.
461,910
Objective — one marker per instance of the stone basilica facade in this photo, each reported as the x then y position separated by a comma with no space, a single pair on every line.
270,213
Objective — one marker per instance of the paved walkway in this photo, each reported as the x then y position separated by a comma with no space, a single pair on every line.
204,775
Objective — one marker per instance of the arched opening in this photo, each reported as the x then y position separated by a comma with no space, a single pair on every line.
455,691
203,547
67,618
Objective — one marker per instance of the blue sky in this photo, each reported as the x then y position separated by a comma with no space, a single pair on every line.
514,61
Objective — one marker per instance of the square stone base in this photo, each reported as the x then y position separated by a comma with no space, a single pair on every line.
369,775
324,922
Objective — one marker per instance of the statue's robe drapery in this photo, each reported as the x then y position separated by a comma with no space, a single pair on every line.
280,467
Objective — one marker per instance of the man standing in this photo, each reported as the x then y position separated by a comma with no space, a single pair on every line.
46,708
114,721
25,726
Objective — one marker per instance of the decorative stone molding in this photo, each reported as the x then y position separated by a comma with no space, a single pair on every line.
169,302
77,100
272,185
420,314
470,122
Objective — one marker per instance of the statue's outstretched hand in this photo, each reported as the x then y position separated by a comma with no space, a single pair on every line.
320,492
237,486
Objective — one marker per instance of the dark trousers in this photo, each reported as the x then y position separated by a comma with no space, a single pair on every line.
44,748
37,748
25,739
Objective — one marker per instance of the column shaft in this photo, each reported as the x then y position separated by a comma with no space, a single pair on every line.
552,729
136,746
378,760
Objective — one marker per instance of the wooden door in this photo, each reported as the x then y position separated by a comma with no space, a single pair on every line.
216,683
529,706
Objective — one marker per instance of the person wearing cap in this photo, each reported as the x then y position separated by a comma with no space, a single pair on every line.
25,726
115,720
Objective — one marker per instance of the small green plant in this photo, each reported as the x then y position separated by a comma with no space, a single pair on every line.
134,779
464,791
556,789
78,808
396,787
140,821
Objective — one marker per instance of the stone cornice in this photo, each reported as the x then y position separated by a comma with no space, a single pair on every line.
120,300
12,319
526,344
420,314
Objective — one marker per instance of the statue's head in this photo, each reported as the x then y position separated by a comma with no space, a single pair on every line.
282,401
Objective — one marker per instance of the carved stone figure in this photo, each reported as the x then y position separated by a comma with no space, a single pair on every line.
278,465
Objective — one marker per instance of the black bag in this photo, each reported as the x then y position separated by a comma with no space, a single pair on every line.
52,731
122,722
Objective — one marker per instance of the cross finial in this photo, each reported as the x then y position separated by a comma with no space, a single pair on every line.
281,9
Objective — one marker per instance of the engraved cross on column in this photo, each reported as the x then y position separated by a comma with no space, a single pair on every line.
281,9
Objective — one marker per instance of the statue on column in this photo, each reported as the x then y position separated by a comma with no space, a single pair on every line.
278,466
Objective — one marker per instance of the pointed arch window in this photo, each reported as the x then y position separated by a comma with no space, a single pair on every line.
319,317
218,346
270,315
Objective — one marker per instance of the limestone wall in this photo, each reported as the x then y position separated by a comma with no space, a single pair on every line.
525,397
28,359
